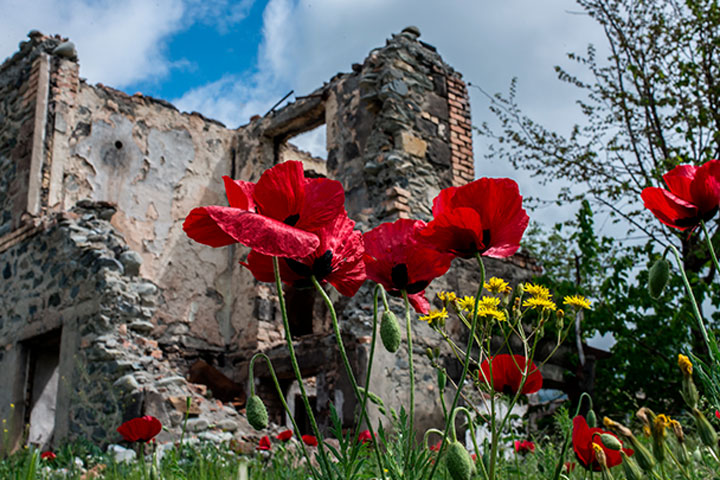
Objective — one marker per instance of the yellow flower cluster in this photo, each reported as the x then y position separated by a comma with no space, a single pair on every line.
577,301
539,297
435,317
447,296
497,285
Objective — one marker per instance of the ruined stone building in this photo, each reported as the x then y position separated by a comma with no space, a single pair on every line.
108,311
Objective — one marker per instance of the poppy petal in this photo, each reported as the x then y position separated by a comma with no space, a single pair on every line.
419,302
202,228
679,181
324,201
239,193
670,209
263,234
582,442
280,191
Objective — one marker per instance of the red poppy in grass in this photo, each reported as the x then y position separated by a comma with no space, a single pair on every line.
583,438
484,216
264,444
284,436
398,259
276,216
310,440
140,429
48,455
436,447
717,414
337,260
507,374
525,446
694,195
569,466
365,436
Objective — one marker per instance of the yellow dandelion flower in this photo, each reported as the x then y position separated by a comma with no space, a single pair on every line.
536,290
497,285
493,313
466,303
660,423
489,302
447,296
577,301
435,316
685,365
540,303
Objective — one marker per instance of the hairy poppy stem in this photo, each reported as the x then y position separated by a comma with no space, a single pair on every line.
284,404
296,369
411,430
343,354
466,364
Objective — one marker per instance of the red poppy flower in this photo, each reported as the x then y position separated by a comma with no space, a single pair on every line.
310,440
276,216
337,260
284,436
140,429
583,437
398,259
524,446
436,447
507,373
264,444
484,216
717,414
48,455
569,466
694,195
365,436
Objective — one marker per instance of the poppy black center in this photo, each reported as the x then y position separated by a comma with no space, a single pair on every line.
471,247
399,276
321,266
400,279
507,390
292,219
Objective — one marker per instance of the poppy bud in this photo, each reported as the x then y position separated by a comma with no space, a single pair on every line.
591,418
600,455
689,392
459,463
658,277
256,412
611,441
390,332
441,379
705,430
631,469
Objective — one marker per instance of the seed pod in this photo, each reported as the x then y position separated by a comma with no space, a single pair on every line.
390,332
658,277
611,441
458,461
591,418
441,379
256,412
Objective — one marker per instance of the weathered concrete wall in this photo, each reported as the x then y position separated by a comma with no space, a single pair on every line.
156,164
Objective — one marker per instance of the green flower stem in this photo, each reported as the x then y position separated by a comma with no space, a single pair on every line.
362,398
466,363
568,436
680,466
411,431
296,369
712,347
710,246
296,430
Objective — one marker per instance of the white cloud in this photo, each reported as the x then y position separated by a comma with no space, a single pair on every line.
223,14
118,43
